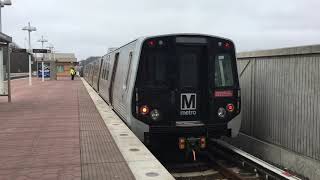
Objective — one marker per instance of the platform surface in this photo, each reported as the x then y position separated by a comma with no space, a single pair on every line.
52,130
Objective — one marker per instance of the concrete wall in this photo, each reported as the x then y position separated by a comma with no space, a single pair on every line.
281,106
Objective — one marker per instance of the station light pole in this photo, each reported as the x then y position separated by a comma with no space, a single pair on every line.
53,69
29,28
2,4
42,40
51,47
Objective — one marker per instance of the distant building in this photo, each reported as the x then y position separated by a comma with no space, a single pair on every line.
19,61
64,61
58,64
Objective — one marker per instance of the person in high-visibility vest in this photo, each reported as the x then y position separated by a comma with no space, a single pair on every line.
72,73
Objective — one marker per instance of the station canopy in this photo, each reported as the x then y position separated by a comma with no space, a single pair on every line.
5,38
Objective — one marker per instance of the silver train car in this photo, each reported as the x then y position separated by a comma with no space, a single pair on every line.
178,88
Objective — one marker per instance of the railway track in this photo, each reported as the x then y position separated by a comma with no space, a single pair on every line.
237,164
225,162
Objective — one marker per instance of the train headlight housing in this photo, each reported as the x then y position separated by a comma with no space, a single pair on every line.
222,112
155,115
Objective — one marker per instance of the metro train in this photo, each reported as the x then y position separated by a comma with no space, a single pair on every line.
176,88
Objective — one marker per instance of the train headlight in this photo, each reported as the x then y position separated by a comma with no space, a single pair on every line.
222,112
155,114
144,110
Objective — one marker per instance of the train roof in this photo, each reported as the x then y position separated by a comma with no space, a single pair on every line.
142,38
181,34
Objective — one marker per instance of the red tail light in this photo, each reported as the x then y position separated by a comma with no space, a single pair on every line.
230,107
225,93
182,143
203,142
227,45
151,43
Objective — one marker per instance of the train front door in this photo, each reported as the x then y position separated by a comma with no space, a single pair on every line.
192,83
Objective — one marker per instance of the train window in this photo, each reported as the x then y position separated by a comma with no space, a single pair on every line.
104,70
129,69
154,69
223,71
108,67
102,73
188,69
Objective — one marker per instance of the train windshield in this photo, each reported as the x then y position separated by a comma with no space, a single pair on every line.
223,71
162,68
155,68
189,58
186,62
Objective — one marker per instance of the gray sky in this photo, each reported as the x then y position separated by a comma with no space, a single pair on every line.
89,28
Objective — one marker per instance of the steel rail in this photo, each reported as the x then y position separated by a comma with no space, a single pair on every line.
275,170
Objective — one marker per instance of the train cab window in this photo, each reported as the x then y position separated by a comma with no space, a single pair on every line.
154,69
223,71
128,71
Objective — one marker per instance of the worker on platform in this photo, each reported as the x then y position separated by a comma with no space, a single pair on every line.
72,73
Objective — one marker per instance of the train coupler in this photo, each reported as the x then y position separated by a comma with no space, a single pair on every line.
194,155
192,145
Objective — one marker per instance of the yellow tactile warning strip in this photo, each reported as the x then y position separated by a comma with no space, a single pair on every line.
141,162
100,156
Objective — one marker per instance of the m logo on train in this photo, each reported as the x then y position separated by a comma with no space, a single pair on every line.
188,104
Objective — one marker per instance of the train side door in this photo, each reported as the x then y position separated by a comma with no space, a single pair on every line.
100,74
92,73
113,76
191,79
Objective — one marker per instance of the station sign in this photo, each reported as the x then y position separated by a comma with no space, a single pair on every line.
41,51
17,50
46,72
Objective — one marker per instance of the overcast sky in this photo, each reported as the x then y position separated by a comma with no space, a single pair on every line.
89,28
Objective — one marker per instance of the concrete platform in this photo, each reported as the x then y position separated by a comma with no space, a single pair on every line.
53,130
141,162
